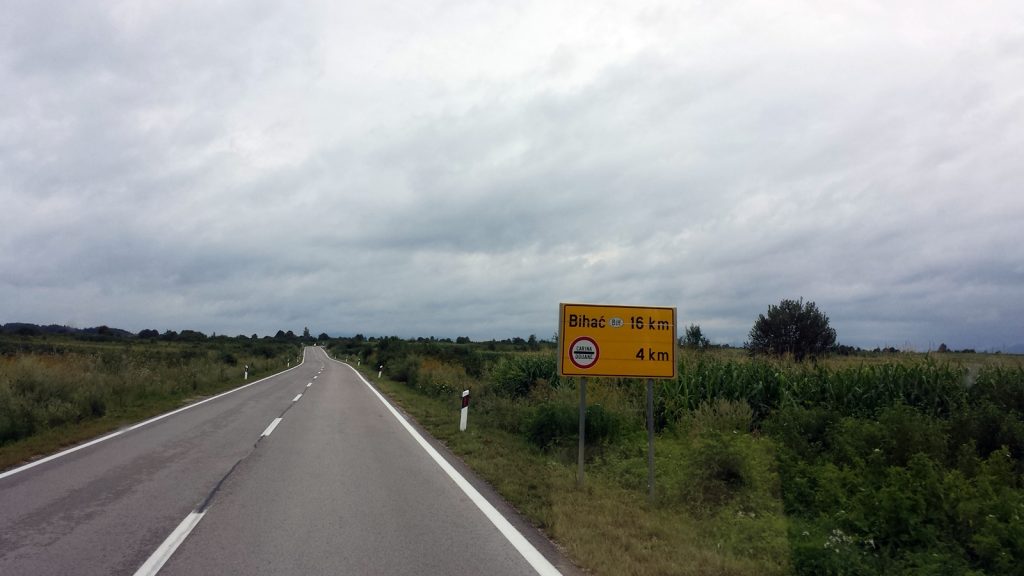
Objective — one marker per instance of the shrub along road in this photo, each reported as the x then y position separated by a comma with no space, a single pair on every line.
304,472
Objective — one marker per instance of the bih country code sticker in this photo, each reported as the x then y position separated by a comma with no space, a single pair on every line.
583,352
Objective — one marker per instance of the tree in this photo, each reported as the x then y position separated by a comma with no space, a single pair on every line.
695,338
792,327
191,336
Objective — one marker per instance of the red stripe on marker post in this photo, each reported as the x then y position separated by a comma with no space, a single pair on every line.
465,411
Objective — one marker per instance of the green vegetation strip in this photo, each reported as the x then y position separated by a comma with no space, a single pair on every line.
57,391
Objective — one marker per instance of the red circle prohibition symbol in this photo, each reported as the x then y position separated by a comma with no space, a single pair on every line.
583,352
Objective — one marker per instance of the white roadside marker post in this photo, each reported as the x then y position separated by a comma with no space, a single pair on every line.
380,370
464,416
245,375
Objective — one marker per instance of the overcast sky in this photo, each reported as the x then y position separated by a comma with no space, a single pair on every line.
454,168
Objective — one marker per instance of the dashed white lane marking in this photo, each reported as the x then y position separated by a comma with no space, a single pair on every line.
162,554
271,427
518,541
296,399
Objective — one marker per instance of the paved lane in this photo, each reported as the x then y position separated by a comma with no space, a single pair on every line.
105,508
339,486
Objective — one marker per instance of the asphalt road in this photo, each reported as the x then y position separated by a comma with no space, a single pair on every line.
305,472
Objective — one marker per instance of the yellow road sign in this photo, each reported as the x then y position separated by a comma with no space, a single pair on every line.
619,341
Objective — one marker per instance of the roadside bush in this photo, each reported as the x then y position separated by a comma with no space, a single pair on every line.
508,414
804,430
471,361
36,394
899,433
93,400
823,550
514,375
722,416
907,432
601,426
404,369
906,493
717,468
551,424
392,350
437,378
15,421
986,427
555,423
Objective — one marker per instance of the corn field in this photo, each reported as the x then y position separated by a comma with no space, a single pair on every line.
935,388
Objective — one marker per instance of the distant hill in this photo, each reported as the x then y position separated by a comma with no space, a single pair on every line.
27,329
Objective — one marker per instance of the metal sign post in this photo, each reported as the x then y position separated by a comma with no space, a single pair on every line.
583,429
622,342
650,439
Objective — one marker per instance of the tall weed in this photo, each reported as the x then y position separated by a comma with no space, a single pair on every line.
437,378
516,374
44,391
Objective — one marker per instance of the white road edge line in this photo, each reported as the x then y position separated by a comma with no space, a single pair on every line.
271,427
529,553
164,552
14,471
296,399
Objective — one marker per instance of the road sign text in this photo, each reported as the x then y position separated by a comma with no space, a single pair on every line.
620,341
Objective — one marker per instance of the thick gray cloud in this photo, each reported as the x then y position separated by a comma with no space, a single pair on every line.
451,168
